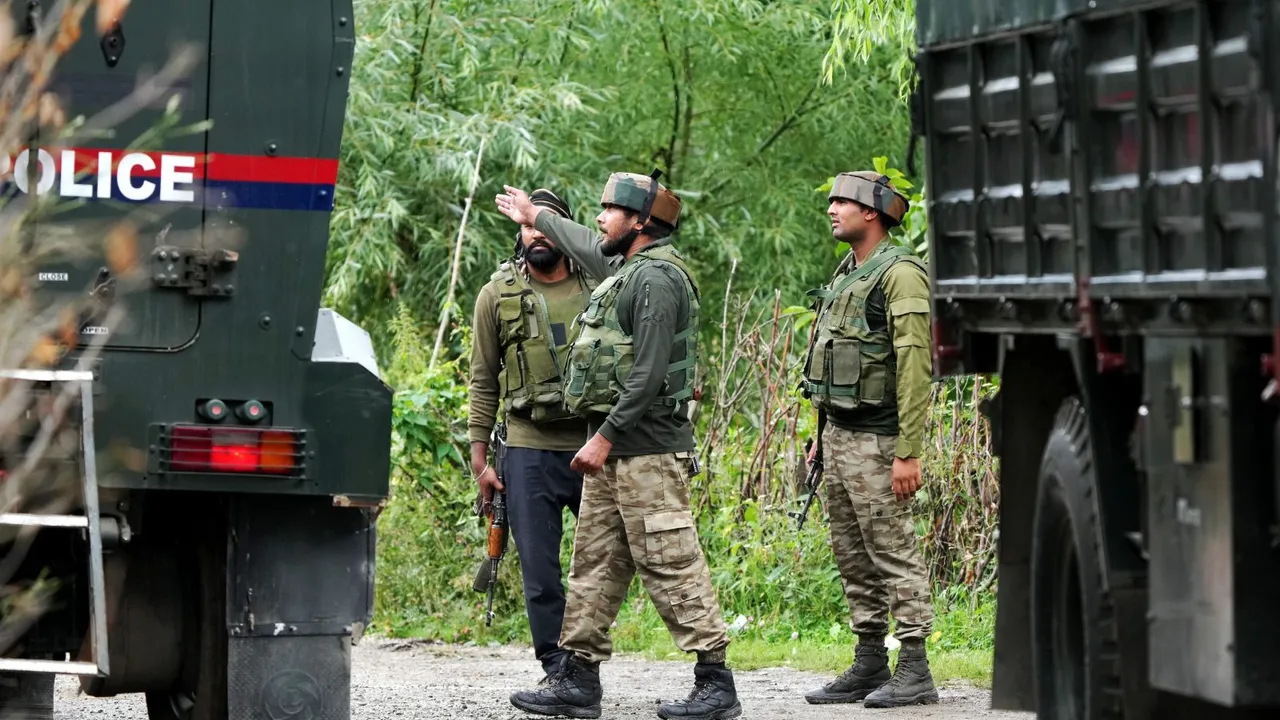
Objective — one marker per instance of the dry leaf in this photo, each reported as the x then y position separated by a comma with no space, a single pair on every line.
10,282
68,32
6,31
109,14
68,327
122,248
45,353
51,113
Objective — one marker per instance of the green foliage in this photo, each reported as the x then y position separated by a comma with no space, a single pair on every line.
784,583
724,97
861,27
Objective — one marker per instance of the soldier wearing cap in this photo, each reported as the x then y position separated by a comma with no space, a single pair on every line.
868,373
520,331
630,374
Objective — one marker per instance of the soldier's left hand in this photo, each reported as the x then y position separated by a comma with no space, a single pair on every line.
906,477
590,459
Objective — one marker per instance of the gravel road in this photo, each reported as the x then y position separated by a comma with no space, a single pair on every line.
408,680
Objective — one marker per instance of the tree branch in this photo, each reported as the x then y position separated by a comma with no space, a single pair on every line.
422,53
686,132
670,151
457,255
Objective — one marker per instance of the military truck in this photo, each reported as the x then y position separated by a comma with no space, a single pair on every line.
1102,224
219,557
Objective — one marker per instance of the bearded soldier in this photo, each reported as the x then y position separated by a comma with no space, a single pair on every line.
520,327
868,373
630,373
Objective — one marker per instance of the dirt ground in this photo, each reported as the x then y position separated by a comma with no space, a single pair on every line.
409,680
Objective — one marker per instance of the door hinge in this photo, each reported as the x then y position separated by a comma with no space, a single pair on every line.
201,272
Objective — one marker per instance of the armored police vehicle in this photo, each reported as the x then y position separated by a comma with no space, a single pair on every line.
235,437
1103,206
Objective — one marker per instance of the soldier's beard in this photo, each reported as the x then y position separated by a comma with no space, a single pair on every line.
543,257
619,245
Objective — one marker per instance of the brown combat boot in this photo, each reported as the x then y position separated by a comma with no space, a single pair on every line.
911,684
869,671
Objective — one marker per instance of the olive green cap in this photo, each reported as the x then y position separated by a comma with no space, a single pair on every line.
873,190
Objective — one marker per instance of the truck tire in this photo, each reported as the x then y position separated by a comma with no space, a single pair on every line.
201,694
1073,628
26,696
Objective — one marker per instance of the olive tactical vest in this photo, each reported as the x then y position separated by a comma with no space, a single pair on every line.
601,357
530,378
850,365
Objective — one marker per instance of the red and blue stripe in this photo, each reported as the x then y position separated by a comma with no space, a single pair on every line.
254,182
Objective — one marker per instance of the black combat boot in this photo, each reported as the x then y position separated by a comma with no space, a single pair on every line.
573,691
713,697
870,670
911,684
552,667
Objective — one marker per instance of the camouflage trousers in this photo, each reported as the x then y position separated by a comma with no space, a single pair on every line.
873,537
635,518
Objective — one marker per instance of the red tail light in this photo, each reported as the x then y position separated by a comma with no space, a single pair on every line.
201,448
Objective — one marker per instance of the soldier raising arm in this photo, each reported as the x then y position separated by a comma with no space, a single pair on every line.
630,373
581,244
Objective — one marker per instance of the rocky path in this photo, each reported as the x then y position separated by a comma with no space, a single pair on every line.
405,680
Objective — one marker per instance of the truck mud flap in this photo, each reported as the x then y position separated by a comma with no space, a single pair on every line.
289,677
300,593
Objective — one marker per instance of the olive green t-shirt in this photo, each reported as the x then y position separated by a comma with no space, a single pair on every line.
902,303
564,300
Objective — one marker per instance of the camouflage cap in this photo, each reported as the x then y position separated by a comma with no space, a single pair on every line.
543,197
630,190
873,190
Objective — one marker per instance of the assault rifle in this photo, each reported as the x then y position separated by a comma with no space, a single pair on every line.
496,509
814,479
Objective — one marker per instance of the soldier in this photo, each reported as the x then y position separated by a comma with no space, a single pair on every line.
630,373
868,372
520,332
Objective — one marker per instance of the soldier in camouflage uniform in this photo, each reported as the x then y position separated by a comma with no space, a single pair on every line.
521,322
630,374
868,373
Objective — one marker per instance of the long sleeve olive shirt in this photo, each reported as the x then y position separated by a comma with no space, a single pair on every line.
564,300
652,308
903,300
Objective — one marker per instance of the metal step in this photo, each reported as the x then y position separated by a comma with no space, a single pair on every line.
90,521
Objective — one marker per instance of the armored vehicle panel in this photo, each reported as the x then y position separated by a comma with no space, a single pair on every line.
1118,150
232,220
1102,229
233,435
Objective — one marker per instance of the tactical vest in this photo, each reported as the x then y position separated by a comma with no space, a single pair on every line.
530,380
602,355
850,365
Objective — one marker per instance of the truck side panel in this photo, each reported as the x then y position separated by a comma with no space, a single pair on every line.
268,192
1118,158
1214,576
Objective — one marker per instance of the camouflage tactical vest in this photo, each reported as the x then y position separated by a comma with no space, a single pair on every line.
530,380
850,365
602,355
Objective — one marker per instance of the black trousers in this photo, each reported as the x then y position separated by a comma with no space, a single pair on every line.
539,486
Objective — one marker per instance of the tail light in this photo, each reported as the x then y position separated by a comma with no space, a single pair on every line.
238,450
